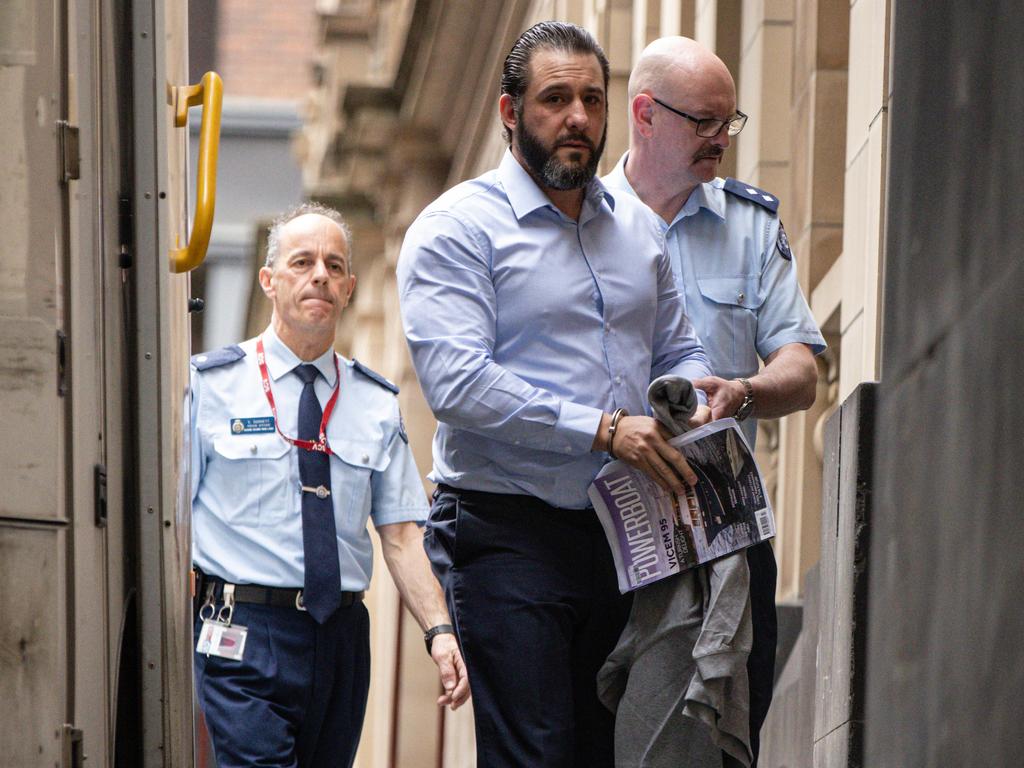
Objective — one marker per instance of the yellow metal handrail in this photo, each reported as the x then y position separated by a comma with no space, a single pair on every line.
210,93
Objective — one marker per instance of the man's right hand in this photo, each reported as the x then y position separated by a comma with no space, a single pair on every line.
641,442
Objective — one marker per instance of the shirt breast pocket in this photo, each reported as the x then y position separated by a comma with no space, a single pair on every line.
731,306
256,479
352,468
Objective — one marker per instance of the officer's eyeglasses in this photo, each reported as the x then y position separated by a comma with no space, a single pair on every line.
709,127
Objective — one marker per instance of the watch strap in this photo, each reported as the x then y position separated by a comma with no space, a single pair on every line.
440,629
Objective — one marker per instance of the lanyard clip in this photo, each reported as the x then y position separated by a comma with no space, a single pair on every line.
208,603
226,611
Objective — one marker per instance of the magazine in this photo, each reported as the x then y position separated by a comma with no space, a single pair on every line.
654,533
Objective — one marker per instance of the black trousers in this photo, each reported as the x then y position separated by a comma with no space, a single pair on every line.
533,594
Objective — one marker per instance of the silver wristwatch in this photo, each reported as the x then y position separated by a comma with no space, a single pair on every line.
747,406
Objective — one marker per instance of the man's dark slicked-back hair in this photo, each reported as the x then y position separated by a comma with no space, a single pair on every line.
549,35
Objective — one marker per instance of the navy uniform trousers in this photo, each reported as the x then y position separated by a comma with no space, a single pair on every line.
298,695
533,594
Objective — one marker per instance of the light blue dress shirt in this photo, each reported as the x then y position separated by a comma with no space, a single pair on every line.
742,295
524,326
246,505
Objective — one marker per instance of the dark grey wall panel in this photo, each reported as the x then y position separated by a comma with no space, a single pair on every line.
945,658
955,226
842,609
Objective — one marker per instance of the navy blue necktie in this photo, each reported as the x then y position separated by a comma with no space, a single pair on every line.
321,592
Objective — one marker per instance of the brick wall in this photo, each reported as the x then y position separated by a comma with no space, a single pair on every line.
265,49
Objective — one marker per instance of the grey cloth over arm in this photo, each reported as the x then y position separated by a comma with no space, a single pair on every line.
677,680
673,401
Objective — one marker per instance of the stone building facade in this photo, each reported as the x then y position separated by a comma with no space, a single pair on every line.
405,105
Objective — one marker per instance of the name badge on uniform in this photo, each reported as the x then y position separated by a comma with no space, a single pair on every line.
253,425
219,639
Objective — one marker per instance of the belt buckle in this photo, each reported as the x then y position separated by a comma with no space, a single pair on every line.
298,601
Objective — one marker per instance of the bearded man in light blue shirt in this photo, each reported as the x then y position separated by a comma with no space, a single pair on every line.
537,307
734,267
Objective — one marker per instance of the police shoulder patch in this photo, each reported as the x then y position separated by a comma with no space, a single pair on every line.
751,193
370,374
782,244
217,358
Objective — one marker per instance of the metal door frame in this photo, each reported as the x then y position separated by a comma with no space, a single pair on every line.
166,693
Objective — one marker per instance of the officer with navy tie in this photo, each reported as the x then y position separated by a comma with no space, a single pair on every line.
294,448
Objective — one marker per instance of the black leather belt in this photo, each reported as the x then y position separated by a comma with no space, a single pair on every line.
278,597
284,597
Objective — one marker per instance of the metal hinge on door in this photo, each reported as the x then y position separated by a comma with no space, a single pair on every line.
62,364
70,158
100,494
72,748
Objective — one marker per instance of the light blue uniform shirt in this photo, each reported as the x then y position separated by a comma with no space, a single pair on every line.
524,326
741,292
246,505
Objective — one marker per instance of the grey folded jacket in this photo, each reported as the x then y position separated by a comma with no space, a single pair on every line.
673,401
677,679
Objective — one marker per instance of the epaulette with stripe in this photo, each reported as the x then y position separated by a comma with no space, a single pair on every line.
371,374
217,358
751,193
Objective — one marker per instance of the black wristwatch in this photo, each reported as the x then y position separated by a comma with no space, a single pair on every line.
440,629
747,406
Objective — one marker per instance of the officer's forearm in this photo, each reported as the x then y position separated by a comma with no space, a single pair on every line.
402,547
788,382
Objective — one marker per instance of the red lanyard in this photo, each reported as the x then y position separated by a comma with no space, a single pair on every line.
308,445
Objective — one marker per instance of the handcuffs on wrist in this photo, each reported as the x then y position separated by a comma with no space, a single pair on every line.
616,418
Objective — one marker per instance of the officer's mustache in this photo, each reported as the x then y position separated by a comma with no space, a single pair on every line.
710,152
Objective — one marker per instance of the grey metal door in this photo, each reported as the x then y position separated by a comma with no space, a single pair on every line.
34,525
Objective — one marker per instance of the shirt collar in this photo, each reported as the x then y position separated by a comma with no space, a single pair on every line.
616,178
281,360
709,195
525,196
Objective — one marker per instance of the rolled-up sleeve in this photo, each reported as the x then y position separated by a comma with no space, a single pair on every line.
449,313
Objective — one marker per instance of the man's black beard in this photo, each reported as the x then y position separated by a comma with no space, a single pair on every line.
546,166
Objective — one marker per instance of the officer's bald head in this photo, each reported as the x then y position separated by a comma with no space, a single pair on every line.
679,69
280,224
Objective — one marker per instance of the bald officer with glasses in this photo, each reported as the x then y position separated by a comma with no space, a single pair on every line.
732,262
294,450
